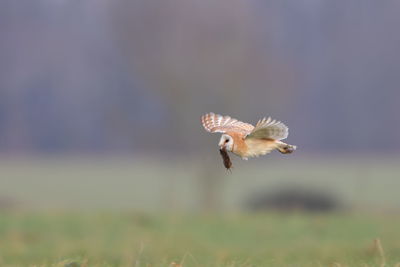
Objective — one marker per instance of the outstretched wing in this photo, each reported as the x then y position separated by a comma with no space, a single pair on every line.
215,123
271,129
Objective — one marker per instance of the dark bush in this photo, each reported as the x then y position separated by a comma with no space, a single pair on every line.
290,199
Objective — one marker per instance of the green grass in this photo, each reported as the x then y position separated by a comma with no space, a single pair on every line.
90,237
128,239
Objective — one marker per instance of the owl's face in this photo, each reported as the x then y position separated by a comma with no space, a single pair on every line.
226,142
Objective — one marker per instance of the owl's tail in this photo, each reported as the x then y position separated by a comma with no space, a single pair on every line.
285,148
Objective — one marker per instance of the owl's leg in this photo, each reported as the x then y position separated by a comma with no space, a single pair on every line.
285,148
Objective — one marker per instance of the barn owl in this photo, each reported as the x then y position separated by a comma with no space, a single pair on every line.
246,140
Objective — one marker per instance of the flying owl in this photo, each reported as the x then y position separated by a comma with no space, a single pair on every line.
246,140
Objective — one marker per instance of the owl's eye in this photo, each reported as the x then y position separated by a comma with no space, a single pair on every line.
227,140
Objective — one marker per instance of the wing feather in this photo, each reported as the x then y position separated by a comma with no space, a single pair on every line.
215,123
269,128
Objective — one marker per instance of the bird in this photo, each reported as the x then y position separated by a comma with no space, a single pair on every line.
246,140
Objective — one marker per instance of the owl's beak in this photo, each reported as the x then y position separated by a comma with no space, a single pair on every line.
221,145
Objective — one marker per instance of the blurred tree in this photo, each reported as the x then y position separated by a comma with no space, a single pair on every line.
201,57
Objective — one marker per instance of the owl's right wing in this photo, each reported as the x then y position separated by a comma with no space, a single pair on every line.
271,129
215,123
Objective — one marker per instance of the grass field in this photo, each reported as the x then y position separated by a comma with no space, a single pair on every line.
128,239
79,212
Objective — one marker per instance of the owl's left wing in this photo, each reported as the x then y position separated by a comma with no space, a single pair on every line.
215,123
269,128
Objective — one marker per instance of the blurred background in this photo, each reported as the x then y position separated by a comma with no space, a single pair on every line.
100,104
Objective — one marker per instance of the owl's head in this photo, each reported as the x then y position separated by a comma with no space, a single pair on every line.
226,142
